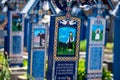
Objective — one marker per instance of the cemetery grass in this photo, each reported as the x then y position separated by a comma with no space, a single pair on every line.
83,45
64,50
4,67
106,75
93,36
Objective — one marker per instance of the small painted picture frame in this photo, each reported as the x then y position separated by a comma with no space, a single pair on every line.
39,36
97,31
16,22
66,41
66,38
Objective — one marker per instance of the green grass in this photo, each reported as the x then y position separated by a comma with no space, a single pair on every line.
83,46
25,63
66,50
93,36
81,69
109,46
4,66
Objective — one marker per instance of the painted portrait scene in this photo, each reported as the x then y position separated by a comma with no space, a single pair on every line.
16,22
39,37
66,41
97,33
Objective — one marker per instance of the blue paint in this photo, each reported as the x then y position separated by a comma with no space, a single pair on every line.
116,63
26,26
95,58
29,38
87,47
94,53
64,70
83,31
38,30
16,45
95,26
62,66
7,38
50,49
64,33
38,63
2,18
29,44
36,55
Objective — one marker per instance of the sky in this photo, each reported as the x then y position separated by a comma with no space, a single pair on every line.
64,33
94,27
38,30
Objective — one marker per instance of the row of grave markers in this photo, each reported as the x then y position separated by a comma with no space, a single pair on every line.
94,48
64,47
63,52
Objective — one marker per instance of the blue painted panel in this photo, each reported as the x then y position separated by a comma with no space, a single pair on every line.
64,70
38,63
16,43
95,58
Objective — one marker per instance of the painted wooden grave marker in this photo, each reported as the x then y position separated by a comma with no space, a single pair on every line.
37,60
63,46
16,39
65,37
95,48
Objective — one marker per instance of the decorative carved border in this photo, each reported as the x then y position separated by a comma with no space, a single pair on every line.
77,39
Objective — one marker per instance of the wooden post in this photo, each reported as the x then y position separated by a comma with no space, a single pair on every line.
116,62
